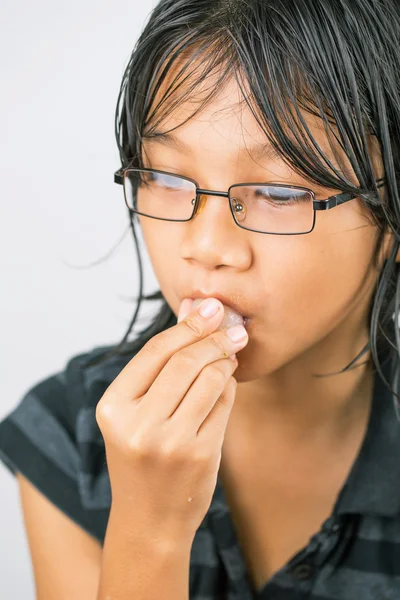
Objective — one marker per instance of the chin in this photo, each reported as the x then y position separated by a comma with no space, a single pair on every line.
256,362
246,371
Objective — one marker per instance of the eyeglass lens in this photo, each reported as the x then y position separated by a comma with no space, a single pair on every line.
263,208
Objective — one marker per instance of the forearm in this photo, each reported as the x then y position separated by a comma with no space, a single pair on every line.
143,566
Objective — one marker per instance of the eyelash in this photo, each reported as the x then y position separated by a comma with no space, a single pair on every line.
318,191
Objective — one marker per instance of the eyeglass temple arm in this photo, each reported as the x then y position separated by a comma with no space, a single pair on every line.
119,177
340,199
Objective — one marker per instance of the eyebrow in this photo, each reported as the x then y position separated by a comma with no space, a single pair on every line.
258,151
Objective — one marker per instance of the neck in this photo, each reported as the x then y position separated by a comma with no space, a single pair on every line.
294,403
302,405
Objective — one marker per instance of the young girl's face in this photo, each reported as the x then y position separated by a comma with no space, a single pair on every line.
307,296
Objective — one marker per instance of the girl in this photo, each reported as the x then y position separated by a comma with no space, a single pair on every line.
260,150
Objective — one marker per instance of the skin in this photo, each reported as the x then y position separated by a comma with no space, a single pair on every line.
308,295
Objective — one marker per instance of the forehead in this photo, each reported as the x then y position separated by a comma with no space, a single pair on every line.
226,119
225,115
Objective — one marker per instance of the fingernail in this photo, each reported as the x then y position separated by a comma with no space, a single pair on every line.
180,313
209,308
184,309
237,333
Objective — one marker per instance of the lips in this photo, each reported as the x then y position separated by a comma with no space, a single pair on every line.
226,300
231,317
233,313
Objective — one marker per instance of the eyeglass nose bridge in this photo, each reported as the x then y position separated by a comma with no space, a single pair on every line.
199,204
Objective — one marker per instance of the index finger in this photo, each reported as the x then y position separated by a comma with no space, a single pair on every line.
138,375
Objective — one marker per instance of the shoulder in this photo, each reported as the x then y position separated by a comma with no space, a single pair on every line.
53,439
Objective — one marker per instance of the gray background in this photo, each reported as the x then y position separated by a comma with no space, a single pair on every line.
61,65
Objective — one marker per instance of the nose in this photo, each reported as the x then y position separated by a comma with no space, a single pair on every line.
213,239
237,205
202,199
223,197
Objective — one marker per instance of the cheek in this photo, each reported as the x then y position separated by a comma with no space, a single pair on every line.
163,251
329,265
311,283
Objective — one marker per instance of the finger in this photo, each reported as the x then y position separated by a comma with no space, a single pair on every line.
184,308
212,430
138,375
203,394
169,389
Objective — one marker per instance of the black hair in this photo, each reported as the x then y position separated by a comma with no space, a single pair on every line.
338,60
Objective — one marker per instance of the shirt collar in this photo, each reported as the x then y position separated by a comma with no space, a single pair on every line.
373,485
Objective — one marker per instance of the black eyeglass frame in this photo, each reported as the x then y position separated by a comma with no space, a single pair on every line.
325,204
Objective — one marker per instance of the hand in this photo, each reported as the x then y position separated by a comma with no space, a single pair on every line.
163,420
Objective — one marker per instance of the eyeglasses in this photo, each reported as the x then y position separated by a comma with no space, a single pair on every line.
271,208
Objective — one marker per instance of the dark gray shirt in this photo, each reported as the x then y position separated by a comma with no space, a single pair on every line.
53,439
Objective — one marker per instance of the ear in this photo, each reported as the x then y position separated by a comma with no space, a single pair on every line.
388,242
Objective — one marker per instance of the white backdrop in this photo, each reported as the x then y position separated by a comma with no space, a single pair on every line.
61,65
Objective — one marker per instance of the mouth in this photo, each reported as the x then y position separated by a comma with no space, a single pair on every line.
225,300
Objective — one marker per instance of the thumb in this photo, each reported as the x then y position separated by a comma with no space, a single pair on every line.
184,308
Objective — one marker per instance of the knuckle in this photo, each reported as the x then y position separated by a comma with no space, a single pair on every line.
156,345
231,386
232,382
186,359
195,327
103,412
133,445
216,377
218,344
139,445
202,458
171,451
226,399
143,447
138,448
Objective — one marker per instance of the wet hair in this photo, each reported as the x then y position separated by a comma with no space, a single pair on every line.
338,60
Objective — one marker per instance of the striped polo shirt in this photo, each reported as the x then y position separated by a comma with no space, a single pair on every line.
52,438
